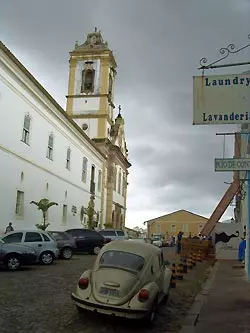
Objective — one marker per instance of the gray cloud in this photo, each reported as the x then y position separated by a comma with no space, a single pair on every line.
157,45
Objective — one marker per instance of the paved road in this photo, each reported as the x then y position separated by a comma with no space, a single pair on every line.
37,300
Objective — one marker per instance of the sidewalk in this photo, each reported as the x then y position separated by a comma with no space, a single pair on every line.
227,307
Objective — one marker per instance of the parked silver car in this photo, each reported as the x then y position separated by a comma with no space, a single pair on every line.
114,234
13,256
66,244
45,247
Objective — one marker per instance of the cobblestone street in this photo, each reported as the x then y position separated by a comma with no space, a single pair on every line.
37,300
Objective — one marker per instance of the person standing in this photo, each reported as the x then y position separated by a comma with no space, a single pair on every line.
242,250
9,228
179,238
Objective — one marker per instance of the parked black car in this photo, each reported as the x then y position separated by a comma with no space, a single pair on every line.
87,240
65,243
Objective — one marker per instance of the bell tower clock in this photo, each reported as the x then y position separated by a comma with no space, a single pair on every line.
90,99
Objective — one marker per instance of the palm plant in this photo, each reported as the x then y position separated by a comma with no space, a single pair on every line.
44,205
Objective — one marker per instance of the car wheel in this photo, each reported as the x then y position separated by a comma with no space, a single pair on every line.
67,253
152,314
47,258
13,262
96,249
165,298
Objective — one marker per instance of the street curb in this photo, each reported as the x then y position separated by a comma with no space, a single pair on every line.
192,316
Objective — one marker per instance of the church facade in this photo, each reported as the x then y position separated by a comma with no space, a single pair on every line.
73,157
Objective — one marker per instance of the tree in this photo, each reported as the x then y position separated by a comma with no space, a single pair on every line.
138,229
43,205
93,216
91,212
82,213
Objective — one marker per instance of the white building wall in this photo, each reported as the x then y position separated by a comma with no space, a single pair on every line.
118,198
34,188
104,210
16,100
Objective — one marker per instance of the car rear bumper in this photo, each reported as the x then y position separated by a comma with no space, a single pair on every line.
109,310
28,258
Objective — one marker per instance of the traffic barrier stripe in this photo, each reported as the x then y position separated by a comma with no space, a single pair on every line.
173,277
179,275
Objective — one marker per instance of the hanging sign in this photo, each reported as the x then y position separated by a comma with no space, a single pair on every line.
232,164
221,99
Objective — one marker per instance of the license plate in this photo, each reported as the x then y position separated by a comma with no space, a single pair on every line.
109,292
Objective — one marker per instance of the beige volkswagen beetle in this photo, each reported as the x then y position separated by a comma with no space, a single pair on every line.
128,279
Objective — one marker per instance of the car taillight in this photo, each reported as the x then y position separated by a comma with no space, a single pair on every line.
143,295
83,283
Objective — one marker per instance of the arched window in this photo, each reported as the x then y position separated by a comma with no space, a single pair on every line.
124,184
22,176
119,182
84,169
110,85
115,177
50,147
99,184
68,158
26,129
88,76
92,179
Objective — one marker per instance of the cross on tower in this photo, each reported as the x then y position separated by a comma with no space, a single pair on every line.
119,108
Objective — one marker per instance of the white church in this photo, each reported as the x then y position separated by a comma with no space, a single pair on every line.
66,156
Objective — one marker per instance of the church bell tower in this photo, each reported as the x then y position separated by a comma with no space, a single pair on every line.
90,103
90,99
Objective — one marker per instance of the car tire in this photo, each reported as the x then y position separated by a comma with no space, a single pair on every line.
67,253
165,298
96,249
47,258
150,319
13,262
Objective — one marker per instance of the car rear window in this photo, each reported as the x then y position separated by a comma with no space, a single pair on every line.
120,259
13,238
120,233
107,233
59,235
76,233
93,234
46,238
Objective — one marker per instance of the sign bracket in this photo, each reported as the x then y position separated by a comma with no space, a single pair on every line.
225,52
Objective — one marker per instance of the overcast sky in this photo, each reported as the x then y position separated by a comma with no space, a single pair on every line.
157,45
